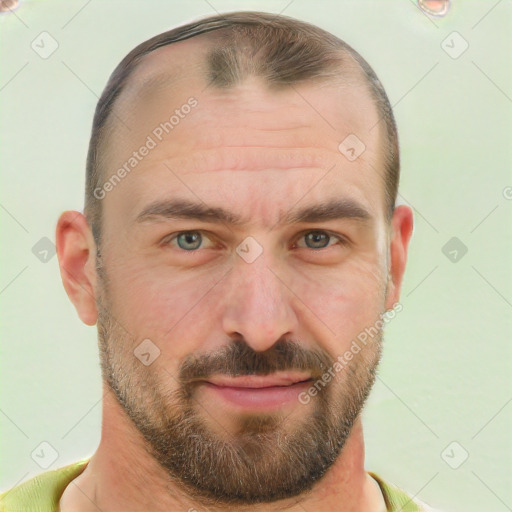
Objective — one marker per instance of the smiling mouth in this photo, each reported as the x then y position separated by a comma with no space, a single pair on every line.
280,379
256,391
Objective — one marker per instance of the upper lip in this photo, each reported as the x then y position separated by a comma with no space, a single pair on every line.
259,381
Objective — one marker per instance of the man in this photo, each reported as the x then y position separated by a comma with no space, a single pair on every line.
240,237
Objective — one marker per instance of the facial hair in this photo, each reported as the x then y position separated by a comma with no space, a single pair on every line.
268,458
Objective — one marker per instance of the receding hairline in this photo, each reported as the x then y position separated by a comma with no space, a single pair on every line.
138,85
199,52
143,81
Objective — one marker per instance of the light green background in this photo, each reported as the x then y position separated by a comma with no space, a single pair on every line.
445,375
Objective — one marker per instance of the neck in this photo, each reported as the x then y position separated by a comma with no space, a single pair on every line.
122,476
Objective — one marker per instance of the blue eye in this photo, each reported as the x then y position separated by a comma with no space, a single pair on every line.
193,240
189,240
319,239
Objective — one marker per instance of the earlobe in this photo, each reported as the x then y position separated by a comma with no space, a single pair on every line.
76,252
402,227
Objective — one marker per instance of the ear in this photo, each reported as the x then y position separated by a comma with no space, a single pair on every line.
401,231
76,251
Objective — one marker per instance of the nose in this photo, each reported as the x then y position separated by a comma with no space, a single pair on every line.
257,305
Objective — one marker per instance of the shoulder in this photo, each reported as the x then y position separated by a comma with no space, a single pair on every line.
399,500
42,492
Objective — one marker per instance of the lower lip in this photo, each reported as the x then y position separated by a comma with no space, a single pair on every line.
272,397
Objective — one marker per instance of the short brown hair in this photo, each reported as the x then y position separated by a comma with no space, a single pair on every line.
280,49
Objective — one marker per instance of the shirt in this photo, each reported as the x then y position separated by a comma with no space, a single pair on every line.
42,493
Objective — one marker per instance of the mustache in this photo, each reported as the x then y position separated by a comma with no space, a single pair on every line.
239,358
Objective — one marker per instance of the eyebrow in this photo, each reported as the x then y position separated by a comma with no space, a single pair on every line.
333,209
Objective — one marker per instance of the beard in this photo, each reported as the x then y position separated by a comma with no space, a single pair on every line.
269,456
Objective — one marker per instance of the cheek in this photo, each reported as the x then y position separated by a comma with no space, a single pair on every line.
346,299
163,304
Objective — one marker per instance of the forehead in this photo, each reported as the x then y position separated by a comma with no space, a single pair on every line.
248,141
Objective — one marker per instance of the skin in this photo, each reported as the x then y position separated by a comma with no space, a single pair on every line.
228,152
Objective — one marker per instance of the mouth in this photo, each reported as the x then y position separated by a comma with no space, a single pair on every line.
259,392
260,381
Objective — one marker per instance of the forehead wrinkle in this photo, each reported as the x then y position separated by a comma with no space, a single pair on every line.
250,158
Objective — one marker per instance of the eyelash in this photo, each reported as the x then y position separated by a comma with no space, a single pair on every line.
170,238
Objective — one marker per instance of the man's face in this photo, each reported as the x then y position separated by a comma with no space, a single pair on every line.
284,303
